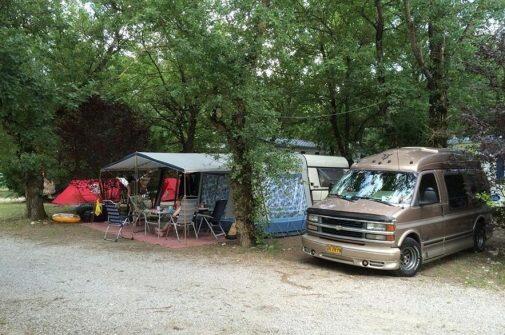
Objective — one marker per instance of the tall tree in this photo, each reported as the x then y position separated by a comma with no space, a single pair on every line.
485,120
379,26
238,56
26,98
96,133
331,58
435,71
86,61
164,74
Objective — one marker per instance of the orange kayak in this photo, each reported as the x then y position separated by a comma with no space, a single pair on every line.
66,218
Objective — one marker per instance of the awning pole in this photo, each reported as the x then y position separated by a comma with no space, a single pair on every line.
101,186
185,223
136,182
184,176
177,187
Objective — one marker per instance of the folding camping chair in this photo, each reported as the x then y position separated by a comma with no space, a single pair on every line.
114,219
214,221
138,209
186,217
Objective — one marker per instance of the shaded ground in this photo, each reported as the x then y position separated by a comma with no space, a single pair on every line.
63,279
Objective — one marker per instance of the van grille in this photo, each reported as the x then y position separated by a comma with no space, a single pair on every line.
343,233
342,222
343,227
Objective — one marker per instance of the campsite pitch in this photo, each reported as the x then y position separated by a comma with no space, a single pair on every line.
61,279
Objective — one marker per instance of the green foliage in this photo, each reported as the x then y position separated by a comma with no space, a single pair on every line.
498,208
26,93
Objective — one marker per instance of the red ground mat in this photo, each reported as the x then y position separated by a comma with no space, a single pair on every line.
170,242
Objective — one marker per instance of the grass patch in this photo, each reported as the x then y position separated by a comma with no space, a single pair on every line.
485,269
482,270
13,219
5,193
11,211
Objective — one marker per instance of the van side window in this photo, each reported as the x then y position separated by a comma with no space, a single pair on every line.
458,196
428,181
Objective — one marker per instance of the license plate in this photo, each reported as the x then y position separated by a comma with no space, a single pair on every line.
334,250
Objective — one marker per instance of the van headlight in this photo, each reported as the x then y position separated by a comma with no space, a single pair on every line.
376,226
313,218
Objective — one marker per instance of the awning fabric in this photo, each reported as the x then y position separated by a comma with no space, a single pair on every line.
182,162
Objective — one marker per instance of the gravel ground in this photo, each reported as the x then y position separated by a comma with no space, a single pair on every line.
65,289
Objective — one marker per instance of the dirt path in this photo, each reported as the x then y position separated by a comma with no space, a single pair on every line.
62,289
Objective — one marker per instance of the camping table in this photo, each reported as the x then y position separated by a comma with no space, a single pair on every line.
159,214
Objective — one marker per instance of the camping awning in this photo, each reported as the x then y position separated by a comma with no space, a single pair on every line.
182,162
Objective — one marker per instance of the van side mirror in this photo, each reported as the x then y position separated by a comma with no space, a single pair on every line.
428,197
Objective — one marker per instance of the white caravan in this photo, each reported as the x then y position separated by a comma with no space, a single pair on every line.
323,172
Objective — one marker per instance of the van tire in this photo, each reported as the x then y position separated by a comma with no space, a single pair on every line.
411,258
479,237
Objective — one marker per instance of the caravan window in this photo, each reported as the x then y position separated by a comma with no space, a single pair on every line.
329,176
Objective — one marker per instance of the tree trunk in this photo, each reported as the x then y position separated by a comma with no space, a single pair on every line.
242,176
383,95
437,112
437,88
379,55
34,201
341,141
435,73
188,144
243,197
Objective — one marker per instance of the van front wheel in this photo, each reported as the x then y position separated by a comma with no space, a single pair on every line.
410,258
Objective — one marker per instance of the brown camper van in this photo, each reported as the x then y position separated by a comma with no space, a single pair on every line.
399,209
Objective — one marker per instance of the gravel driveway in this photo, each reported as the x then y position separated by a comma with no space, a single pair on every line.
65,289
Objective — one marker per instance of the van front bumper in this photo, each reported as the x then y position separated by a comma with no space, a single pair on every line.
377,257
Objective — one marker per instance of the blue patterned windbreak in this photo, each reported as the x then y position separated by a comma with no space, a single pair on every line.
285,200
285,196
214,187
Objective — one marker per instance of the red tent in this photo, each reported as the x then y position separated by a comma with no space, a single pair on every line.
169,189
88,191
79,192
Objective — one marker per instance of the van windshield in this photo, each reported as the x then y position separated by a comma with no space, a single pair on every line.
390,187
